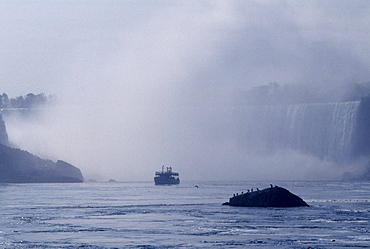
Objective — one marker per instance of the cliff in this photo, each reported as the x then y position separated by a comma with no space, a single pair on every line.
362,136
269,197
19,166
3,134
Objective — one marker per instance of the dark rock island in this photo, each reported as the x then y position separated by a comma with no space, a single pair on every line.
19,166
269,197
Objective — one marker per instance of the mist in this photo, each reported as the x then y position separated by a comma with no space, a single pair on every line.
140,85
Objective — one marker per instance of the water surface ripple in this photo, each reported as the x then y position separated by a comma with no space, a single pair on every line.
142,215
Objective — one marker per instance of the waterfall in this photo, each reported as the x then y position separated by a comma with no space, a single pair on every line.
324,130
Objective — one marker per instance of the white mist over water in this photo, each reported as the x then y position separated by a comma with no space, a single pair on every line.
270,144
142,84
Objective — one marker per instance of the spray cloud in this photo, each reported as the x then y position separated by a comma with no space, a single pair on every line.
142,85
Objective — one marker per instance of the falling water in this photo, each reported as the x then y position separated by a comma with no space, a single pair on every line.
324,130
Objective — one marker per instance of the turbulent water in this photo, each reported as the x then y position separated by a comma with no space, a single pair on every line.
142,215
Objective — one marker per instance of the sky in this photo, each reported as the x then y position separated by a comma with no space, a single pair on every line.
145,83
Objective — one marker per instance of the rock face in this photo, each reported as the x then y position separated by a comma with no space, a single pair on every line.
362,136
269,197
3,134
18,166
68,170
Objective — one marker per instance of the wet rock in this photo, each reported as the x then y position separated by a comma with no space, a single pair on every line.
269,197
19,166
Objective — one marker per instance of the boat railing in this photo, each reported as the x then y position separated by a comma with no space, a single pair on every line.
166,173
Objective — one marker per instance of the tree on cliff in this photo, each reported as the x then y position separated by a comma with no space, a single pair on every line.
28,101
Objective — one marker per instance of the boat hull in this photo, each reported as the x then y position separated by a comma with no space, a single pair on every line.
166,181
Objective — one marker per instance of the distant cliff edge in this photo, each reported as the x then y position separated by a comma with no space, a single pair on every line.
3,134
19,166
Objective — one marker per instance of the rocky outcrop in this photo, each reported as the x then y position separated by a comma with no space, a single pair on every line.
68,170
269,197
3,134
361,147
18,166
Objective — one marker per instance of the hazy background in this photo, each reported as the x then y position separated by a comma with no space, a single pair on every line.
145,83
